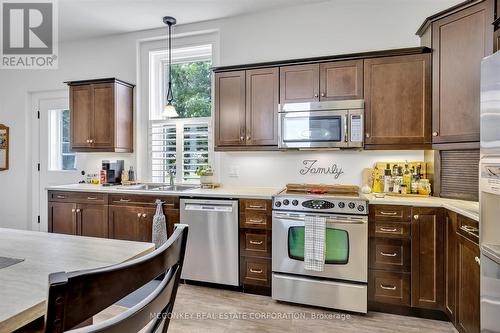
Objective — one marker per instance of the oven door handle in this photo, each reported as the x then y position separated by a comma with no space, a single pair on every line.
328,220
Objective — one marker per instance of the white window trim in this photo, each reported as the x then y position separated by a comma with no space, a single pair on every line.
144,47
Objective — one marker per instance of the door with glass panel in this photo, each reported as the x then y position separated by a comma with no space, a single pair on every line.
346,241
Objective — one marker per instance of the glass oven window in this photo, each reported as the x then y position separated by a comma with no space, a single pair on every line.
312,129
337,245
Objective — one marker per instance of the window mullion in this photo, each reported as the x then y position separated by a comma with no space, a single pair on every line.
179,152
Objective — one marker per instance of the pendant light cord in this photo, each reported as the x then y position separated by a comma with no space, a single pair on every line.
170,96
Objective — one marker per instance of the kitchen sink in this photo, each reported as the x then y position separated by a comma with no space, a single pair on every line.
157,187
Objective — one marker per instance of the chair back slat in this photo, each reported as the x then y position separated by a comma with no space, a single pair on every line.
77,296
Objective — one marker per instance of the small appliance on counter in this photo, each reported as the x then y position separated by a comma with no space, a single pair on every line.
341,282
112,172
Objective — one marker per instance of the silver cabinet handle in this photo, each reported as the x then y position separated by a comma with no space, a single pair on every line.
139,214
323,94
242,138
469,229
91,140
477,260
258,271
388,213
387,287
73,210
367,135
255,207
248,138
124,200
435,133
252,221
416,217
144,215
385,254
256,243
91,198
88,141
388,230
60,197
316,95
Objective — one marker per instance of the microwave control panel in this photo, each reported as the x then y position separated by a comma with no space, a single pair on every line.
490,178
356,128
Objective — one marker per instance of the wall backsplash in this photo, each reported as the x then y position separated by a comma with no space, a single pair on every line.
275,169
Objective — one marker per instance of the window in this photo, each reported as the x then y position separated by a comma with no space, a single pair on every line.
60,156
180,146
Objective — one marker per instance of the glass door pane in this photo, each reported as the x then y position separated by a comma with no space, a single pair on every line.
336,247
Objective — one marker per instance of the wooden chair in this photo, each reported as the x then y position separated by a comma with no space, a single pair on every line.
77,296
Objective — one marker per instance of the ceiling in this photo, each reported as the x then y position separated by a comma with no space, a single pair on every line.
79,19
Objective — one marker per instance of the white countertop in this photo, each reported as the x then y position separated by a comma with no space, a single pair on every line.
221,192
24,286
469,209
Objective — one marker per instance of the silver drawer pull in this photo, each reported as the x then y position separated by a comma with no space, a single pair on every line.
91,198
252,221
144,215
255,207
385,254
388,230
469,229
124,200
387,287
388,213
257,271
256,243
60,197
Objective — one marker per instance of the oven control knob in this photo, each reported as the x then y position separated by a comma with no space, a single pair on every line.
277,204
352,205
286,202
361,208
341,205
295,202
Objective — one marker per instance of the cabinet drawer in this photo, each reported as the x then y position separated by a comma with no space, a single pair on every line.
390,229
390,213
390,254
255,243
255,271
468,228
389,287
142,200
255,205
255,220
78,197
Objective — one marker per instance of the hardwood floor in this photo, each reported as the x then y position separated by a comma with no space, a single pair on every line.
194,301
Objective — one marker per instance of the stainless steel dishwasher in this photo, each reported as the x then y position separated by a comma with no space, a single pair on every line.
212,245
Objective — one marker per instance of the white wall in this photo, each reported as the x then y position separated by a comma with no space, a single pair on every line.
311,30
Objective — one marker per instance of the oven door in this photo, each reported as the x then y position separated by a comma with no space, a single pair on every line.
346,248
312,129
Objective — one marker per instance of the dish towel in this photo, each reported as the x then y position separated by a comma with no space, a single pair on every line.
314,243
159,225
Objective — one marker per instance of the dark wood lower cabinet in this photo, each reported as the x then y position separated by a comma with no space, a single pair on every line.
62,218
93,220
467,315
451,246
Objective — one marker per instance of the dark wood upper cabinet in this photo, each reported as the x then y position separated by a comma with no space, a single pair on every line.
299,83
262,98
101,116
230,108
459,42
397,92
468,270
427,274
341,80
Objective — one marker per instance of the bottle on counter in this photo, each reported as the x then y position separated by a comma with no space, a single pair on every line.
387,179
398,180
131,174
407,177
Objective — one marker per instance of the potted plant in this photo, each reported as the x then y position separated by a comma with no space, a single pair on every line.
206,174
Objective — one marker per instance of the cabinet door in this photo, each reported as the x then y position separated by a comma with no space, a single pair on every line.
146,225
230,108
103,123
124,222
262,107
468,316
341,80
93,220
451,246
62,218
299,83
427,259
81,115
397,94
459,42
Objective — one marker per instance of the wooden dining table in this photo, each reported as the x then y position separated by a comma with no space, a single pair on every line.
24,285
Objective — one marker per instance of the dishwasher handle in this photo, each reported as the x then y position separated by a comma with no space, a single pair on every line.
199,207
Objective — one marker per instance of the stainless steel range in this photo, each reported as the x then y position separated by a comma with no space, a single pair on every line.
343,282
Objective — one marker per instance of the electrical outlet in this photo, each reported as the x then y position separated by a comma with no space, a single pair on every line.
234,171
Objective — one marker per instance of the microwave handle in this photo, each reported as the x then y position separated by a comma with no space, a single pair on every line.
346,134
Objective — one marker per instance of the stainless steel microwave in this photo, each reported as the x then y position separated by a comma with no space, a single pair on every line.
332,124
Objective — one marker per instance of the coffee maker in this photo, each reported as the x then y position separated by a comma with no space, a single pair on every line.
113,170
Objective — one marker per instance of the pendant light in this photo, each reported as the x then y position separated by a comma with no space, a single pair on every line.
169,110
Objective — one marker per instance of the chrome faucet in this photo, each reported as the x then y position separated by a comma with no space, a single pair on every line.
171,175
